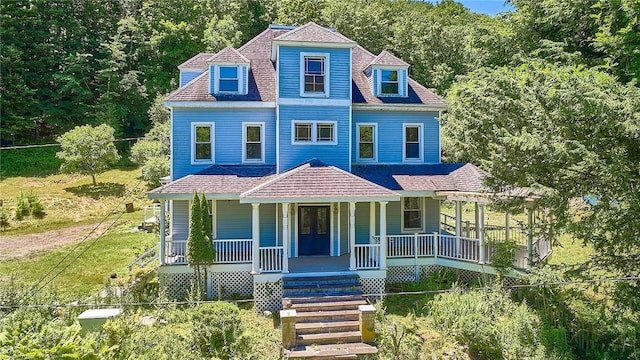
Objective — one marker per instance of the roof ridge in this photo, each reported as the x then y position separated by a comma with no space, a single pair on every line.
311,23
234,52
284,175
183,87
255,38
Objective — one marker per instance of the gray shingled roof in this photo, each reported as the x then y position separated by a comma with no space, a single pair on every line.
228,55
316,180
387,58
312,32
262,73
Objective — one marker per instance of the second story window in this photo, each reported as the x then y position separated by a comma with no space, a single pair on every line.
412,142
314,74
389,82
202,135
314,132
367,142
253,143
228,79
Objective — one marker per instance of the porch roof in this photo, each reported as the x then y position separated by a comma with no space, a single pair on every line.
224,180
450,177
315,181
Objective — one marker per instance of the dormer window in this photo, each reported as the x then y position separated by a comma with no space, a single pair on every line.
228,79
314,74
389,82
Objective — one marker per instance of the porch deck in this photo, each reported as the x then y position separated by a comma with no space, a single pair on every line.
310,264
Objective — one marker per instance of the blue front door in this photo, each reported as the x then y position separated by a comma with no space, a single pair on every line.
313,230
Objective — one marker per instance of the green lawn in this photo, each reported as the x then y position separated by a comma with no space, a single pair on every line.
85,276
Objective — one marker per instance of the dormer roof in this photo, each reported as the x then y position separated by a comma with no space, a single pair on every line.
312,32
198,62
228,55
387,59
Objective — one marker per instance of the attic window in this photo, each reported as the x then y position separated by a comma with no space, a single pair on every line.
313,74
228,79
389,82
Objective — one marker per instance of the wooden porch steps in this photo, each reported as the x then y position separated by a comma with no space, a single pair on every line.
327,316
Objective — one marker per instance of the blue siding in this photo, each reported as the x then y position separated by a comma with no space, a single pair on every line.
362,223
293,155
267,225
233,220
432,215
394,217
390,128
186,76
339,71
228,136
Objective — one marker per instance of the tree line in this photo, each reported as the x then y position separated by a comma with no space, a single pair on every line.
74,62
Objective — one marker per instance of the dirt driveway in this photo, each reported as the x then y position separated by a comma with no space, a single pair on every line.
22,245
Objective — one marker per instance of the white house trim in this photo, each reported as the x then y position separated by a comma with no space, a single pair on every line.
212,136
310,101
314,132
422,217
327,74
375,144
403,107
420,127
220,104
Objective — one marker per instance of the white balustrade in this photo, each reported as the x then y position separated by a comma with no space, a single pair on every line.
233,251
367,256
271,258
459,248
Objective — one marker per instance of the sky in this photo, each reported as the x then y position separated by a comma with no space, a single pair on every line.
489,7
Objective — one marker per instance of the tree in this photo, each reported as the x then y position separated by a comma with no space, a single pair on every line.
200,252
571,130
207,226
88,150
152,152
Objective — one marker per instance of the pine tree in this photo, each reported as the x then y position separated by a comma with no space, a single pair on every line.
196,242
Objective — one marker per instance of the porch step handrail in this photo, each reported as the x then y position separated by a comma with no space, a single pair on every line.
146,258
367,256
271,258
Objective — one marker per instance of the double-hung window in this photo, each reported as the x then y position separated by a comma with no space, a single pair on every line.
367,135
228,79
202,144
412,142
389,82
412,214
314,132
314,74
253,142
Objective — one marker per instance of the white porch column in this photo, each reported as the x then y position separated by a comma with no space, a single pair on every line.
477,220
372,221
480,230
506,226
458,225
285,238
163,227
255,238
352,235
529,238
383,234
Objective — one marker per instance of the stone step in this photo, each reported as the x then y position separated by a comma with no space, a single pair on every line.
328,316
330,338
327,306
317,284
337,351
327,327
319,299
320,277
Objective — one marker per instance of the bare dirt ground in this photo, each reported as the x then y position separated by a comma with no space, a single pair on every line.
23,245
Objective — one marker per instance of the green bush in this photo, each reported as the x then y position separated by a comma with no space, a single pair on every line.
216,327
22,207
29,204
4,218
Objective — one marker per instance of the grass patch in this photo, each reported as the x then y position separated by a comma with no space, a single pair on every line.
110,254
32,162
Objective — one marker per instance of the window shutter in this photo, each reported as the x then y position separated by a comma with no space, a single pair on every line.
404,80
245,80
376,76
212,80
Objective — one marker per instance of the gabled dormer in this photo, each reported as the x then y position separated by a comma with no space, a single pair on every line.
388,76
228,73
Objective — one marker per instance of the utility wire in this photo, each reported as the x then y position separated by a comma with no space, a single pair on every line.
425,292
33,291
17,147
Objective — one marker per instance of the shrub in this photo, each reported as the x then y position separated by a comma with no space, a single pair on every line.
22,207
216,326
35,206
4,218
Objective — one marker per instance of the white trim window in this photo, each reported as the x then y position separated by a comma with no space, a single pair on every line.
314,74
412,214
253,142
389,84
202,143
367,150
412,141
314,133
228,79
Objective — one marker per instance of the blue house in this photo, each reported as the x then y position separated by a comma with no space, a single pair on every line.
318,157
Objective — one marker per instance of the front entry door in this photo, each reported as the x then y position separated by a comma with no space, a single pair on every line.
313,230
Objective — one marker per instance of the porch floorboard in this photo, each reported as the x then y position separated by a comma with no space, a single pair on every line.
314,264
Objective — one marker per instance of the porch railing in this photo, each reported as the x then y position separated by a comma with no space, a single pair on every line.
399,246
367,256
271,258
230,251
458,248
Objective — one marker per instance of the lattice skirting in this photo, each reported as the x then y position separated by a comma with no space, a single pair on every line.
230,284
176,285
464,277
267,295
372,286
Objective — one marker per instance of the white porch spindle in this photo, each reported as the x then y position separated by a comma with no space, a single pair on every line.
285,238
480,230
383,235
372,221
255,238
458,225
161,252
352,235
